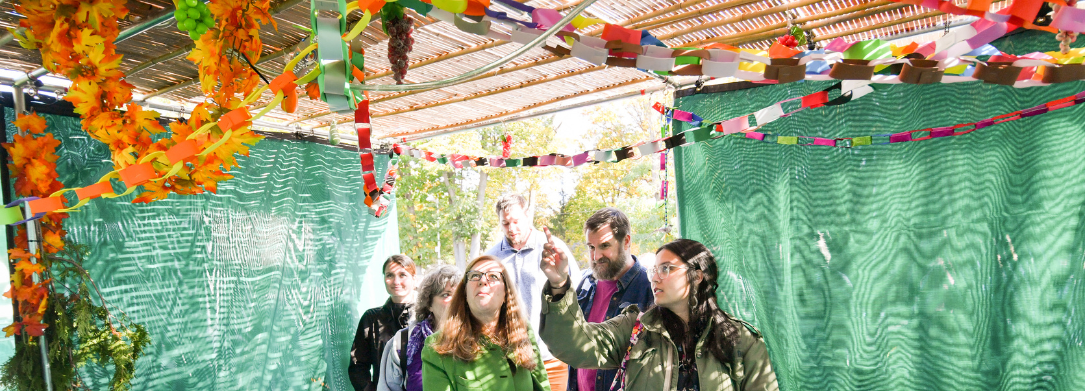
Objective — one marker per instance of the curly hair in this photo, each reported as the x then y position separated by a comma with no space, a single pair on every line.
432,285
461,332
702,301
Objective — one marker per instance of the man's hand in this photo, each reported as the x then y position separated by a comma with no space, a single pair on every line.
554,263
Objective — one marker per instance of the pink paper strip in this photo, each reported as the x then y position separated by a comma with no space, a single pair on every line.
756,136
838,45
942,132
734,125
547,17
546,160
900,137
1069,19
580,159
828,142
497,162
563,161
683,116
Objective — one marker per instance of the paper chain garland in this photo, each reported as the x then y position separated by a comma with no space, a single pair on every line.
1020,12
377,198
918,134
740,127
620,46
818,99
285,89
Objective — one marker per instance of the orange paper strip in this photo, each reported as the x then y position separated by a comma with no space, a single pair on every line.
94,191
182,151
137,174
43,205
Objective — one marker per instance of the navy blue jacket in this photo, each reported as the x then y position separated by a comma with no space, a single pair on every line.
633,288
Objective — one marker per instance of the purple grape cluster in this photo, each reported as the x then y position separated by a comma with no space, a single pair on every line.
399,44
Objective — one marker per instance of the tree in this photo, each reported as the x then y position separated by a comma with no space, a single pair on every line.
450,211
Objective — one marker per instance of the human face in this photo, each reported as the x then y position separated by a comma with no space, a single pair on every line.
439,304
515,225
398,282
608,255
671,291
485,297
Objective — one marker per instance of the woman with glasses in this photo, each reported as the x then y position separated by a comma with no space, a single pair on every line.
684,342
401,366
484,343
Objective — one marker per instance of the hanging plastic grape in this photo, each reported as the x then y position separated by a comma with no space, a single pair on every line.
398,26
193,17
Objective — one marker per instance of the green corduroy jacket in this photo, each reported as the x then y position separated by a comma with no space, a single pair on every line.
492,370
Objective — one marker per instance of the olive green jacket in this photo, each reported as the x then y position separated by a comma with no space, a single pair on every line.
654,358
492,370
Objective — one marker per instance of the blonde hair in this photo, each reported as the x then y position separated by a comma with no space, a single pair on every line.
460,334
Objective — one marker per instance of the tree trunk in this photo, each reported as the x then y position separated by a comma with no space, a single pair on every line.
459,244
476,238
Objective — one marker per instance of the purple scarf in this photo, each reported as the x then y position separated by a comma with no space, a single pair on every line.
414,354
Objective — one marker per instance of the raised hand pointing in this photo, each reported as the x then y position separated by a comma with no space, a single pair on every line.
555,265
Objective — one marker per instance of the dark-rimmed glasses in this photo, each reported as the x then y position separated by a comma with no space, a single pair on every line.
488,277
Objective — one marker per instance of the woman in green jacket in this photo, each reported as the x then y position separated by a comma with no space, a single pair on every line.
484,342
684,342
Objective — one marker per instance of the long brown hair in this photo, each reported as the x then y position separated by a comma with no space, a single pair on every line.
461,331
703,308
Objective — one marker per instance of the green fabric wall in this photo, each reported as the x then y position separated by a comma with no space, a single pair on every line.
949,264
257,287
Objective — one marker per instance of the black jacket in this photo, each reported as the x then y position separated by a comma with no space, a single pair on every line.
376,327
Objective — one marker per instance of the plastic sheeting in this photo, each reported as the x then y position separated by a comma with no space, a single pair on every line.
258,287
949,264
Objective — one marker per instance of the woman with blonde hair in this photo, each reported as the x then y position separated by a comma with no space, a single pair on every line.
485,341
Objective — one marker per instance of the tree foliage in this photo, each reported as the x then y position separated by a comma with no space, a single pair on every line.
560,198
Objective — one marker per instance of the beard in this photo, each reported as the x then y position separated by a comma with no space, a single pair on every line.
608,269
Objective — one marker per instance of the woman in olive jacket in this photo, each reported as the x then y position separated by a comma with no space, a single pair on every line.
684,342
484,342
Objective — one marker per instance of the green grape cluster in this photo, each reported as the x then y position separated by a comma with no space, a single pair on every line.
194,17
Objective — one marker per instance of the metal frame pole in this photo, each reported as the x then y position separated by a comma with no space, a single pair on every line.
33,241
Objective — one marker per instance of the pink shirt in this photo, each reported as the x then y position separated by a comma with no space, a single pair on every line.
604,290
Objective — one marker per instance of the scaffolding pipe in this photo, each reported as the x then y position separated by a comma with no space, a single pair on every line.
127,33
32,241
538,41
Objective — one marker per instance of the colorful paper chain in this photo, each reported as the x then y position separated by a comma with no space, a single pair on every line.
285,89
917,134
811,101
739,127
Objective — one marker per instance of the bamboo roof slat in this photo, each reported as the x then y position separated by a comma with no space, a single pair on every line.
538,81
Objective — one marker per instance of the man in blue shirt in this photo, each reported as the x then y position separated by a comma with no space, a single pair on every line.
521,251
615,281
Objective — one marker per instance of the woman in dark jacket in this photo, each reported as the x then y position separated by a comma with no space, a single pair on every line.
379,324
684,342
434,295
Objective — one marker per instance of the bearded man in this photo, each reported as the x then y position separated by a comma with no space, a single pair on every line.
615,280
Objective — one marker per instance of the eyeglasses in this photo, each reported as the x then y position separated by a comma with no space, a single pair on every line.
490,277
664,270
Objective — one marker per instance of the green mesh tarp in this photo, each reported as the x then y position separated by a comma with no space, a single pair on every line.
949,264
258,287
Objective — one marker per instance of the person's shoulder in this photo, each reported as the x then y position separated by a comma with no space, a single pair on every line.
371,314
493,250
748,334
